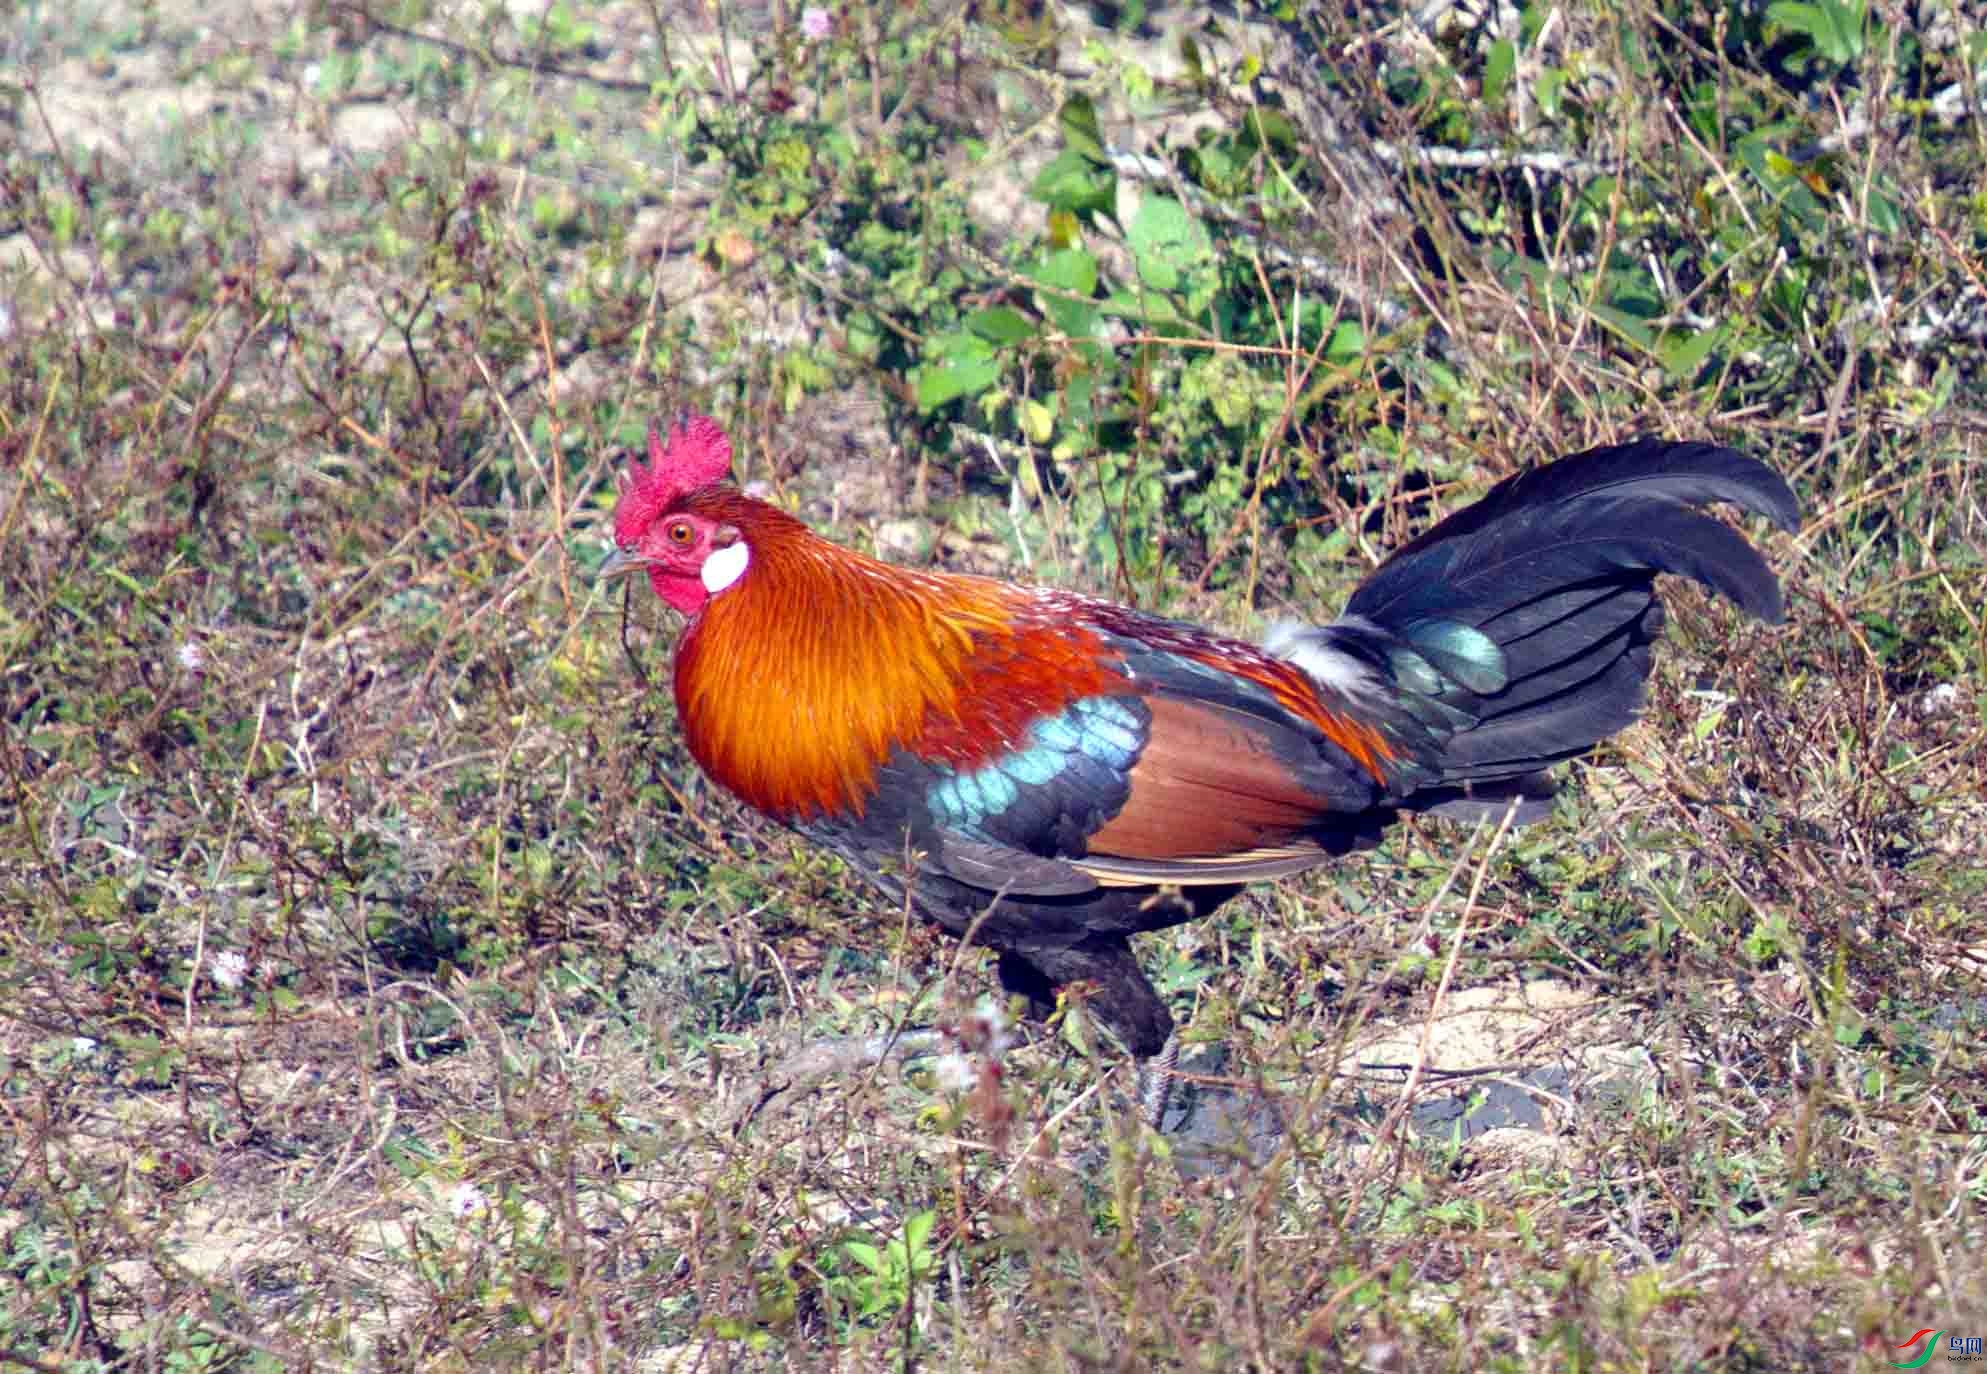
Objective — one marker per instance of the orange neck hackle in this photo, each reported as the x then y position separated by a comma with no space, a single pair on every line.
796,684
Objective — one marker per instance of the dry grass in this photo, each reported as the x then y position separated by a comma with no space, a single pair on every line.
381,987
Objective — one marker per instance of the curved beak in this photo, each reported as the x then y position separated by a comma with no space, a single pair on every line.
619,563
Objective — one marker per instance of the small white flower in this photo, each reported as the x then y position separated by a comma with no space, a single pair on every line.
83,1047
994,1014
956,1073
466,1201
190,657
816,23
990,1030
1939,700
228,968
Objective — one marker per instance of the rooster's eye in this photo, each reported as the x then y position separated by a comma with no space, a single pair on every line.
679,532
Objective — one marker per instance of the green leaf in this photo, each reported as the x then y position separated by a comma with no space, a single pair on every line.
1630,327
1835,29
1078,416
1794,15
1002,324
1153,310
865,336
1633,328
1080,131
955,365
1167,242
917,1230
1498,69
1073,273
1849,1027
1268,128
1072,270
1781,178
1190,56
1075,183
1549,89
1038,421
1684,354
951,380
1885,216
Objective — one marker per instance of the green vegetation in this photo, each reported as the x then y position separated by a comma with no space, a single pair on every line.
380,984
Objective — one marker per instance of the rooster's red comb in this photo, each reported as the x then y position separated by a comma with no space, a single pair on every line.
696,455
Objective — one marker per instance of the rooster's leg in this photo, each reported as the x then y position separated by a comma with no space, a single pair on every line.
1119,995
1155,1081
1120,998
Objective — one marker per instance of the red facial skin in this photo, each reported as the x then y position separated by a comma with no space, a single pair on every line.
671,545
672,549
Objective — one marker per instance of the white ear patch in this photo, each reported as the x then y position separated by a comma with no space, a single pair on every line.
725,567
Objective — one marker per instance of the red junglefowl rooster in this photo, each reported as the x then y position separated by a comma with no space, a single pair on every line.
1057,773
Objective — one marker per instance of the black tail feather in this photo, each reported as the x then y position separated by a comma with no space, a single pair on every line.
1686,474
1558,727
1555,572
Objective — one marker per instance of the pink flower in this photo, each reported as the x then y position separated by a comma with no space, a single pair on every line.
816,23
